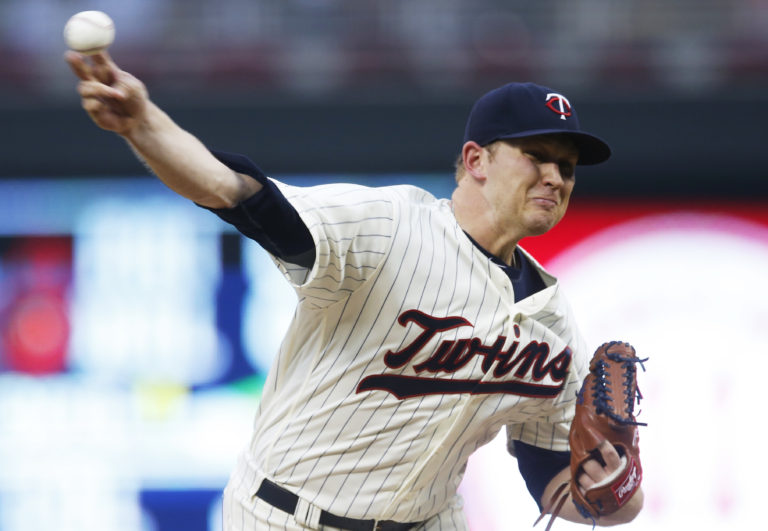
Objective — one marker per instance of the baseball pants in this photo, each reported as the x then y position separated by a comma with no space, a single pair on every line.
242,511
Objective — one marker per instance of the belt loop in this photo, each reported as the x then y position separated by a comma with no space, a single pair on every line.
307,514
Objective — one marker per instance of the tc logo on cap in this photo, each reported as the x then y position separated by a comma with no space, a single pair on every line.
559,104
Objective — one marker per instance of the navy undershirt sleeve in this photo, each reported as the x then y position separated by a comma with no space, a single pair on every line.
538,466
267,217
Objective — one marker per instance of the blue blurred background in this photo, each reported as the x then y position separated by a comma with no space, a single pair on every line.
136,329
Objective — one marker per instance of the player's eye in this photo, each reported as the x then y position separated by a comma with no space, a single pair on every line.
535,156
567,170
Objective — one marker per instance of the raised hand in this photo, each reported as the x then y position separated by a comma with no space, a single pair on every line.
114,99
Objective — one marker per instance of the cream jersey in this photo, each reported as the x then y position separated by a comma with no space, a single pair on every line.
405,354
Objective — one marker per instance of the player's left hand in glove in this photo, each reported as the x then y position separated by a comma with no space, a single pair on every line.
604,416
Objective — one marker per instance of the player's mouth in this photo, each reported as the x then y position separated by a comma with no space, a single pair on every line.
546,202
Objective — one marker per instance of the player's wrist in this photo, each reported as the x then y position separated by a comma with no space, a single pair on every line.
148,122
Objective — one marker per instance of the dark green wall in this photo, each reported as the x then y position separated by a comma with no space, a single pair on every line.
683,147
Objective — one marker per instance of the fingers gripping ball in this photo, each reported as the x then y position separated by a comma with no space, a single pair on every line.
89,32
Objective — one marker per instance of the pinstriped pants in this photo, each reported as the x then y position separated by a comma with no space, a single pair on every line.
242,511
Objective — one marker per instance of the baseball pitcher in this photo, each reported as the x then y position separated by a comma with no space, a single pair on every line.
422,328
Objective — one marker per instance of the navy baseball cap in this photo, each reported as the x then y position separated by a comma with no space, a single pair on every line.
519,110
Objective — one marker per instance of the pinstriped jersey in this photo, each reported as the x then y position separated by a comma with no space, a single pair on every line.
406,353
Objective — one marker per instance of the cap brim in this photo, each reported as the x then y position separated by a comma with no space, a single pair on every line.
592,149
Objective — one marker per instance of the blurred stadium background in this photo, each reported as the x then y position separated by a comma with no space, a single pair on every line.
135,329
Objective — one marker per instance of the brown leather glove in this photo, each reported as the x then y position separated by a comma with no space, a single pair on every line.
604,412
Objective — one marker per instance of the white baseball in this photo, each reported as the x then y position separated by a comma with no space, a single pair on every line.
89,32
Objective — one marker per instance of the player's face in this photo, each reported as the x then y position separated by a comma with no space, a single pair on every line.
530,182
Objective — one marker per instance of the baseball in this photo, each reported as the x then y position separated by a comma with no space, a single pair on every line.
89,32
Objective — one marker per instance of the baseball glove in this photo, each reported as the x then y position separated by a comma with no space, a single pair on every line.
604,412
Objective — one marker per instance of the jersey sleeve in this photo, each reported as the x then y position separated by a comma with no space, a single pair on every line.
544,434
327,240
352,228
267,217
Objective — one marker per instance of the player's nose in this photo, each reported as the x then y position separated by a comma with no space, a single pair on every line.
550,174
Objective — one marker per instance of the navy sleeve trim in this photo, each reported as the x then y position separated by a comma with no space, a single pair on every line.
241,164
538,466
267,217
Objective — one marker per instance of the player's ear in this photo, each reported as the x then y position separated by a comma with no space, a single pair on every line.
472,158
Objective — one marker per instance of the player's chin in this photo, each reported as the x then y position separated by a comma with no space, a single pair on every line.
541,222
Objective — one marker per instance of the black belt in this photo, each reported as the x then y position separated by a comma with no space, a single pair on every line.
286,501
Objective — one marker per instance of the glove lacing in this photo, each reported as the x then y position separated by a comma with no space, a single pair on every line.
601,389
